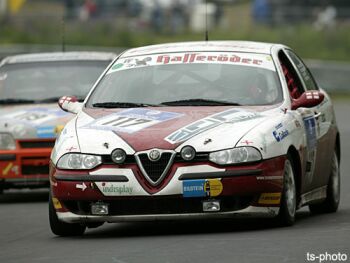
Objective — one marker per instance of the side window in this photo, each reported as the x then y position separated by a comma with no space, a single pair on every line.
293,81
303,71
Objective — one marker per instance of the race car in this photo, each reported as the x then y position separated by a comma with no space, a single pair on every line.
196,130
30,86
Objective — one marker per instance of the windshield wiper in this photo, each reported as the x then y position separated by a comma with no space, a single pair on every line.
199,102
123,105
16,101
55,99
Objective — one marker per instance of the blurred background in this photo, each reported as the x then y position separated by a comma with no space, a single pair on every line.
318,30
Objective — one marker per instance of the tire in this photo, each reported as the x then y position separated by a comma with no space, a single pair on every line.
60,228
331,203
286,216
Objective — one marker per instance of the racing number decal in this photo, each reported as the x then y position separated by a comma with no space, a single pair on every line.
125,122
131,120
31,116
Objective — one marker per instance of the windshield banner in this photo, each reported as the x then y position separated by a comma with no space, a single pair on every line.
225,58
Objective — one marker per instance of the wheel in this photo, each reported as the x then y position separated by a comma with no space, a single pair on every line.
331,203
286,216
60,228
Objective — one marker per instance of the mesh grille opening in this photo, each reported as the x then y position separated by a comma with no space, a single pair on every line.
36,144
155,170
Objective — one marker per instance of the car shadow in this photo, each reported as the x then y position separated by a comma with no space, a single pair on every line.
187,227
24,196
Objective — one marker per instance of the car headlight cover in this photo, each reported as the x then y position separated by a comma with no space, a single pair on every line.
78,161
235,156
7,142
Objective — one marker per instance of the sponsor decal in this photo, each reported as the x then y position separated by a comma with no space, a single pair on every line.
118,190
131,120
270,199
197,127
229,58
193,188
311,142
202,188
310,129
56,203
36,116
46,132
280,132
213,187
198,57
7,169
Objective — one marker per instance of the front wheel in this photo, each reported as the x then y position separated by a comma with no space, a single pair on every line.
286,216
331,203
60,228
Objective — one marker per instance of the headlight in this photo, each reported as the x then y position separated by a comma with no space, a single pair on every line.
7,142
235,155
77,161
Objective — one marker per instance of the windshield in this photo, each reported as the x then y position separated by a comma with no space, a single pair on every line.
193,79
42,81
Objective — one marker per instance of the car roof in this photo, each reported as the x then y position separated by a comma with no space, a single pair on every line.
236,46
59,56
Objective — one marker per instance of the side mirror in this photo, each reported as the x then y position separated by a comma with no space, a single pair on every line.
308,99
70,104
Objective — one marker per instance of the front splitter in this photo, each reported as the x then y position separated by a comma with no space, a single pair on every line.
251,211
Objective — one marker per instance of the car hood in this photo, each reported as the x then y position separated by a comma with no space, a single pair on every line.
205,128
33,120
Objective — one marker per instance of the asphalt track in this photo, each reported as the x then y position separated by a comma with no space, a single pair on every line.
25,235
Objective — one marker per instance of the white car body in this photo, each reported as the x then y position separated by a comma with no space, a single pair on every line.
279,132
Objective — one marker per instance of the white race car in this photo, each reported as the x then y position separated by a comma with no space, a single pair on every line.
196,130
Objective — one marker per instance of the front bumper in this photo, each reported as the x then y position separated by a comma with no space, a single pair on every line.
27,165
249,190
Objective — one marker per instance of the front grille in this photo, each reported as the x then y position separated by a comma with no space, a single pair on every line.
159,205
35,170
130,159
154,170
36,144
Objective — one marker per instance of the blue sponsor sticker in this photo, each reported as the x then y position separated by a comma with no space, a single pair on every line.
280,132
310,129
194,188
46,132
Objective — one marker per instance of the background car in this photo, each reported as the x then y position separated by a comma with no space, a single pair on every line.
29,117
196,130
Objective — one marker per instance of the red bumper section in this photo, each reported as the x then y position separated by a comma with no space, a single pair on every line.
27,165
242,186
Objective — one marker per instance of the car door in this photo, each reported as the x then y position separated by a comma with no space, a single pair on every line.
319,124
